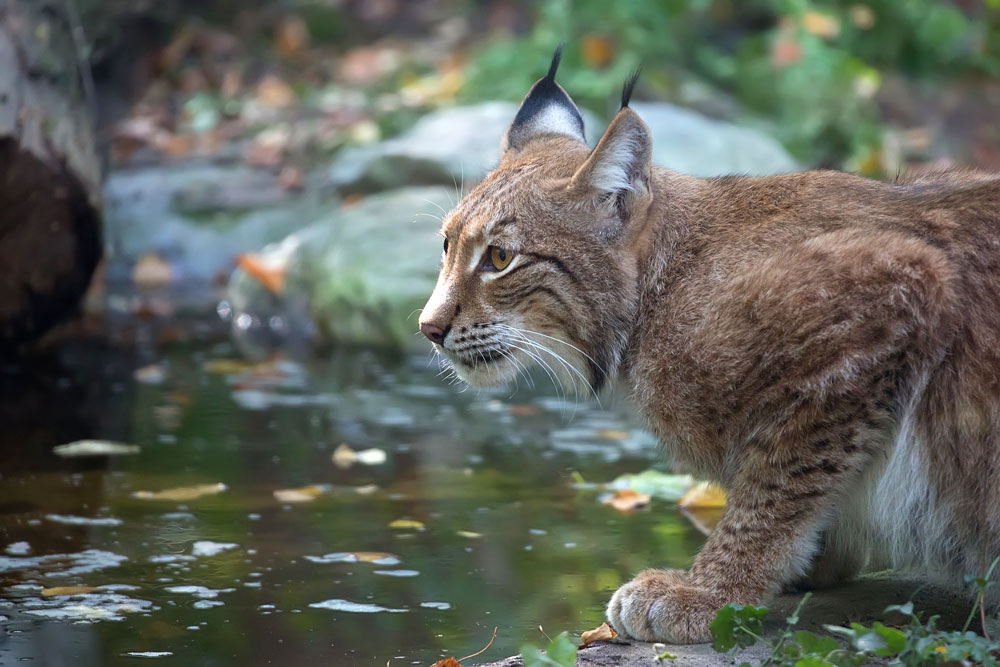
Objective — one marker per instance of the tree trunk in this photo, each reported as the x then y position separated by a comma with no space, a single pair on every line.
50,173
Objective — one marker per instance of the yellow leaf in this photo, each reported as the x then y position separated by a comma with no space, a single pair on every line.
305,494
226,366
603,633
345,457
182,493
469,534
821,25
67,590
372,556
627,500
703,495
406,524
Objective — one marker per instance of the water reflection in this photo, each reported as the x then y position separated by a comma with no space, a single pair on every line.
471,521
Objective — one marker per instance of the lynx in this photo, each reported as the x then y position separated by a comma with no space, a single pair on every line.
824,346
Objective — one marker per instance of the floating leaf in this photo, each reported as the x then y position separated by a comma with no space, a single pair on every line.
182,493
627,500
345,457
468,534
226,366
705,520
67,590
602,633
447,662
655,483
95,448
305,494
406,524
703,495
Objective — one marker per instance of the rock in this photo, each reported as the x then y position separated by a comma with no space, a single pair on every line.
862,601
360,272
447,147
688,142
199,217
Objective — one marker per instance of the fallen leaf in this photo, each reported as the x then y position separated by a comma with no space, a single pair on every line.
378,557
366,489
151,270
345,457
274,92
292,37
95,448
627,500
468,534
226,366
702,496
406,524
602,633
182,493
822,25
705,520
657,484
447,662
305,494
267,274
67,590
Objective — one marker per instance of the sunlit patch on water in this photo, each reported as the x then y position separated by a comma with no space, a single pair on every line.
148,654
397,573
354,607
85,608
71,520
64,565
209,548
199,591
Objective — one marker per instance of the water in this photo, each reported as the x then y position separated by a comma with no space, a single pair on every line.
492,531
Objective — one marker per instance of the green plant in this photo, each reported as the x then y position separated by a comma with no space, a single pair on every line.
916,644
561,652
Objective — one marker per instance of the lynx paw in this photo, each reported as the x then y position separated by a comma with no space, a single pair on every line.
660,605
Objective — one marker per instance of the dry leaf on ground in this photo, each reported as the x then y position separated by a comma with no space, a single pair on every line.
182,493
603,633
627,500
447,662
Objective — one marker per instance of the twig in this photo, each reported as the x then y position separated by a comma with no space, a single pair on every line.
543,633
483,648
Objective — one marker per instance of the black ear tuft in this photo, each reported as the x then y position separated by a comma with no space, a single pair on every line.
546,109
556,57
630,86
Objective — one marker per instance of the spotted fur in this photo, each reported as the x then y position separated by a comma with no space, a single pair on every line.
826,347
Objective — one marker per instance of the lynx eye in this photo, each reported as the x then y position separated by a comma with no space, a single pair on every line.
500,258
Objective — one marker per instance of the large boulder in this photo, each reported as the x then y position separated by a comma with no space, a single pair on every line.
446,147
360,272
690,143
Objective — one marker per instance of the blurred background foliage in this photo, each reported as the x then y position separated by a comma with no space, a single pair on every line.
870,86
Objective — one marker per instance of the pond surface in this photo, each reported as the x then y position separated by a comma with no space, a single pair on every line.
473,520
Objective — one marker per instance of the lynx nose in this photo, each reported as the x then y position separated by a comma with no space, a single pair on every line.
435,333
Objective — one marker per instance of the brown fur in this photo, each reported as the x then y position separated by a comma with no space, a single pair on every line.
825,346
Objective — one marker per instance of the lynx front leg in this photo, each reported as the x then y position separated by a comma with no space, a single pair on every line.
768,535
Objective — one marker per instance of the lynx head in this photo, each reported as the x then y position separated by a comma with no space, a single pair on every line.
539,265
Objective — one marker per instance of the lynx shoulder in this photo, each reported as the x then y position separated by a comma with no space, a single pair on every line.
825,346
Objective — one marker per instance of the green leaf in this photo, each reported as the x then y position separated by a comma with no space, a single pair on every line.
736,625
562,651
812,644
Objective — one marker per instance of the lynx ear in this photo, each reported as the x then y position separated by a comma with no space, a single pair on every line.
617,171
546,109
